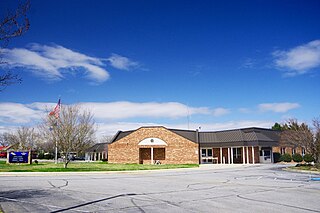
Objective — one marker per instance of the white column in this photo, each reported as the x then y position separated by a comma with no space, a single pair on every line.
220,155
243,156
151,155
247,155
228,155
231,155
252,149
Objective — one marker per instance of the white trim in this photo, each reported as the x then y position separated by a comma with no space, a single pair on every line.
231,155
151,155
220,155
152,142
247,154
252,149
243,156
228,155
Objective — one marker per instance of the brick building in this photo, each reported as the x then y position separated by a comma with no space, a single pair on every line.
173,146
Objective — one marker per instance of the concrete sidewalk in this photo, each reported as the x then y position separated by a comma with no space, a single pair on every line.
226,166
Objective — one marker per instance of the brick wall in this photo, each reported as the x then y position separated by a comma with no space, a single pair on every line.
288,150
179,150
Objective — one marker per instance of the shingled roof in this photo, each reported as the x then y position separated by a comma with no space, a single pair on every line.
237,137
240,137
99,147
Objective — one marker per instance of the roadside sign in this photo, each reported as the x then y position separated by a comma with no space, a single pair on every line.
18,157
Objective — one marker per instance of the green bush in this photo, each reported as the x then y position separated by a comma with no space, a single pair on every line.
286,158
297,158
276,157
308,158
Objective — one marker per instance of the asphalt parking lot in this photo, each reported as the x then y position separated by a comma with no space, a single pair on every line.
255,188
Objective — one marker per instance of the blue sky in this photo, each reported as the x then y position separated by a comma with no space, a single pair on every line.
181,64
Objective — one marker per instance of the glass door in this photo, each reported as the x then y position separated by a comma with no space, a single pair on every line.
206,155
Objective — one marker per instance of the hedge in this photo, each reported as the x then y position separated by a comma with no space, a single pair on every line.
308,158
286,158
297,157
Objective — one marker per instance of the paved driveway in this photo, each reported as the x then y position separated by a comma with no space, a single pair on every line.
256,188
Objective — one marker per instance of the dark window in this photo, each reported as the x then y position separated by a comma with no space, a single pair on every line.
209,152
204,152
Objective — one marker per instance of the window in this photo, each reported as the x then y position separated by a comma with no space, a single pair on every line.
283,150
303,151
237,152
293,151
204,153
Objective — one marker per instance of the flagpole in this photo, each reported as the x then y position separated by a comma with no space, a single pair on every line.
56,154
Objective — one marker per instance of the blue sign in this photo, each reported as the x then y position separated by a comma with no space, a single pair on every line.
18,157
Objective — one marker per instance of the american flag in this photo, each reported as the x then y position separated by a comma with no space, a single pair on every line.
56,111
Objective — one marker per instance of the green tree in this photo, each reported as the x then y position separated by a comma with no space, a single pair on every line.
277,126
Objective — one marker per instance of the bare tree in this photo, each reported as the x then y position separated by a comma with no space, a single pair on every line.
12,25
106,139
7,139
316,125
299,135
24,138
73,131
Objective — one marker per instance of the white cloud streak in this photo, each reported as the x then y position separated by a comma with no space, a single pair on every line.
278,107
123,110
220,112
298,60
112,128
112,116
17,113
122,63
55,61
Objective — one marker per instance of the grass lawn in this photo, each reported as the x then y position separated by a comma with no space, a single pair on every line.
315,167
84,167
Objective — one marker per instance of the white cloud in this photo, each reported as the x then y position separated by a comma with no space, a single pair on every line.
18,113
53,62
112,128
220,111
123,110
121,62
300,59
115,116
278,107
245,110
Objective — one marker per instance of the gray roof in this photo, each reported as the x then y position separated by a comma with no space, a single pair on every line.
238,137
99,147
